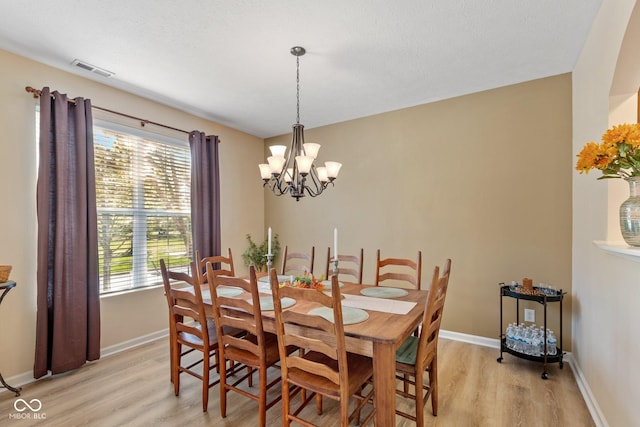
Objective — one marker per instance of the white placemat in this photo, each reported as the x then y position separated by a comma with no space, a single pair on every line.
223,291
264,288
383,292
266,303
350,315
267,279
377,304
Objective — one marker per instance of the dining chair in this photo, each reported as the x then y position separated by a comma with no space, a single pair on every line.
186,319
325,368
258,350
399,270
223,265
353,268
296,263
419,354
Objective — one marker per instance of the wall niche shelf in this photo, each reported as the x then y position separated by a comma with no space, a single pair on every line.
620,249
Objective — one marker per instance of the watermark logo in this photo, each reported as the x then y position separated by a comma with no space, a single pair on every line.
27,410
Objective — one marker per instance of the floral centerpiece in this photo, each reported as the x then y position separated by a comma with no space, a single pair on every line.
618,156
307,281
256,255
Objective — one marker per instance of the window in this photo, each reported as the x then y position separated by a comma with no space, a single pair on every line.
143,196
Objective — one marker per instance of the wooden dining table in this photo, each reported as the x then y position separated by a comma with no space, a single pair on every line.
377,337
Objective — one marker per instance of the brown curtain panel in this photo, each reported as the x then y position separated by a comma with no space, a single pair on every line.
205,193
68,302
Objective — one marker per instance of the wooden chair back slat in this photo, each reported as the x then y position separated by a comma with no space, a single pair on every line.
315,322
327,348
317,368
296,263
397,270
348,265
222,265
237,312
242,344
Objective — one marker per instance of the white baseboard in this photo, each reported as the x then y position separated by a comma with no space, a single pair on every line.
126,345
27,377
19,380
471,339
585,390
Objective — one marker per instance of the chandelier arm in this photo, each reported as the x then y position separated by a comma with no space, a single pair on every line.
278,185
317,184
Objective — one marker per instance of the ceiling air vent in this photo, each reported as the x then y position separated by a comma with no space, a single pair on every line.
92,68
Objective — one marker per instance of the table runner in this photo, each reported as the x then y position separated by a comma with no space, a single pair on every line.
385,305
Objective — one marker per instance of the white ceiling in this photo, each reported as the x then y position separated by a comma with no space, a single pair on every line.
229,61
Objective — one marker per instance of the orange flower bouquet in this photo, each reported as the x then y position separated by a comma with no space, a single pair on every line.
617,156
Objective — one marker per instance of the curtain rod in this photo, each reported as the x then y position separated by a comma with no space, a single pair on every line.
36,94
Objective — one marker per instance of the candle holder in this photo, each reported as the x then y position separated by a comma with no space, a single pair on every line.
335,266
269,258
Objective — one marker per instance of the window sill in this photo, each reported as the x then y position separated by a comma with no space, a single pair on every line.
620,249
129,291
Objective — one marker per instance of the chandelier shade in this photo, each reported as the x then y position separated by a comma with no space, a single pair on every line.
295,173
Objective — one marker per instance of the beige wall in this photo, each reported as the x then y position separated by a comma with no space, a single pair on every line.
484,179
127,316
606,295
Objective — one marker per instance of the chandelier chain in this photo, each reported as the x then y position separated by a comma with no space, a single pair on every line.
297,89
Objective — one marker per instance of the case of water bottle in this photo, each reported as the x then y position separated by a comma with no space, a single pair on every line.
530,340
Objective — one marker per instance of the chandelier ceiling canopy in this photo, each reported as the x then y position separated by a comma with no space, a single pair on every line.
295,172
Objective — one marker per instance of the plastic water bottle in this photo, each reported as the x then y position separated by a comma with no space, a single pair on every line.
552,343
540,351
527,341
509,336
519,339
535,342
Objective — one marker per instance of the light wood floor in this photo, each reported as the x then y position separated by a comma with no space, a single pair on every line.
133,389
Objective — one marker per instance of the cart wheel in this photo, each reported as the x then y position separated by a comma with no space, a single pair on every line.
544,376
499,360
561,364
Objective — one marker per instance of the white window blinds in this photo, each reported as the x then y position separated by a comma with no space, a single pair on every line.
143,201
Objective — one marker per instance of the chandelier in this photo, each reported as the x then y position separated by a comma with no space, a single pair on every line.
295,173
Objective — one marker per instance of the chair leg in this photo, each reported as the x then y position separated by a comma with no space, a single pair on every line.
285,404
223,388
250,379
419,380
405,384
175,363
318,403
171,357
262,405
205,381
433,383
344,412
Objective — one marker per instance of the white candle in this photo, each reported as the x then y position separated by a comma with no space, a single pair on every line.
269,250
335,242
